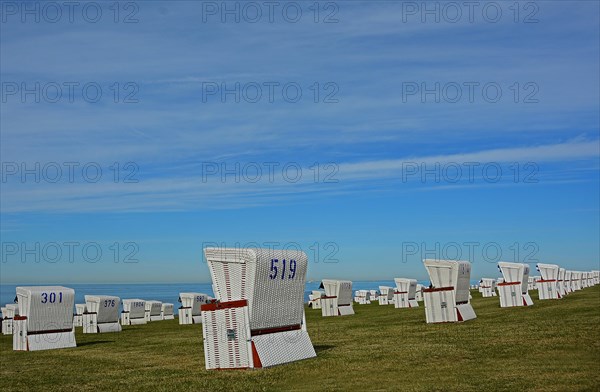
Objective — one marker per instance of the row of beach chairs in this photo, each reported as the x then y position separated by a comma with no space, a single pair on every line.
406,294
43,305
257,316
554,282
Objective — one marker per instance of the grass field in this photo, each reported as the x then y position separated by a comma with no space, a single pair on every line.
551,346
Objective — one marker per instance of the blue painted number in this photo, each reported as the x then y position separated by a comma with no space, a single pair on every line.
291,267
51,298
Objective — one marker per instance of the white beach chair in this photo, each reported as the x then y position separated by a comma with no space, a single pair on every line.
405,293
338,298
166,311
590,278
364,297
386,295
487,287
576,280
45,319
567,282
189,311
102,314
153,311
258,317
419,293
315,301
447,300
514,288
80,309
134,312
8,314
562,291
548,285
373,295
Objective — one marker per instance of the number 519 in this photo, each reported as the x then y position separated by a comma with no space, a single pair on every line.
291,267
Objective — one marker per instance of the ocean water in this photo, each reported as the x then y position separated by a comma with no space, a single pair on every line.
159,292
166,292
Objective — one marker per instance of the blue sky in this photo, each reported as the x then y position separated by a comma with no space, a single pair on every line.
373,212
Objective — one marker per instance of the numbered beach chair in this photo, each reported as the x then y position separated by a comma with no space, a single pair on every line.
166,311
386,295
447,300
548,284
531,283
596,277
189,311
102,314
134,312
405,293
80,309
153,309
315,299
45,319
562,291
8,314
337,300
513,290
487,287
258,317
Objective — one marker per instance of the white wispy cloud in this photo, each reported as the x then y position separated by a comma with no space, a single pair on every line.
186,189
569,151
371,133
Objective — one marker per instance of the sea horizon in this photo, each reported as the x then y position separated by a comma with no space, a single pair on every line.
166,292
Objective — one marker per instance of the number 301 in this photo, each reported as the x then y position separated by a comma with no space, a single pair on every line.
291,267
51,298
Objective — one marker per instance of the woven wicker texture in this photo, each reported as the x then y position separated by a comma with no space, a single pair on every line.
450,273
548,271
515,272
153,308
226,338
135,307
47,308
297,346
193,301
106,307
271,280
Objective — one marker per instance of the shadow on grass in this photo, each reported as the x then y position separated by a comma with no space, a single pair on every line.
322,348
93,343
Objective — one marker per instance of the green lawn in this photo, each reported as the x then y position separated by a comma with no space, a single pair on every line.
551,346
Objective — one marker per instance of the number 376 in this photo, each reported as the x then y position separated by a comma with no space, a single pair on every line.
275,268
